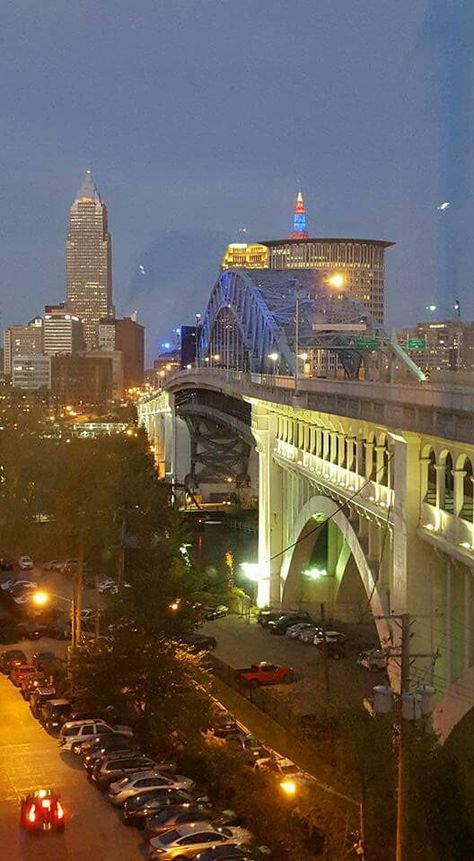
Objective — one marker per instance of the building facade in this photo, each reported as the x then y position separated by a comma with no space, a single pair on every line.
62,331
357,264
81,380
22,341
443,345
31,372
89,260
128,337
240,255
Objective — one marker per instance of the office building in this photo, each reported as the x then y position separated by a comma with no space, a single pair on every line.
31,372
299,219
442,345
89,260
115,357
128,337
22,341
240,255
81,380
62,331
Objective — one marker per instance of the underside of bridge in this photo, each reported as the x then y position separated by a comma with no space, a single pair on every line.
220,438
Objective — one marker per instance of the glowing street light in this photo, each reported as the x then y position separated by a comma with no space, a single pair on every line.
289,787
336,280
251,570
273,356
40,598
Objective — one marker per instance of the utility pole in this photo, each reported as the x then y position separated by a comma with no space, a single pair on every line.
402,788
121,558
297,338
325,652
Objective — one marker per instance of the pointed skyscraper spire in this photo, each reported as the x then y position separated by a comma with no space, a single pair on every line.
299,219
88,189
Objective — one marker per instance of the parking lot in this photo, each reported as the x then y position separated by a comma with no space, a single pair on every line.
240,642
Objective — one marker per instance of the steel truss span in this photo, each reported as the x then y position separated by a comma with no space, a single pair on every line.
256,319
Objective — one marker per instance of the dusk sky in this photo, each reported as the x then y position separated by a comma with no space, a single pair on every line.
200,117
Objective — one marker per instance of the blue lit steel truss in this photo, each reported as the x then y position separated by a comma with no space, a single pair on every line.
260,307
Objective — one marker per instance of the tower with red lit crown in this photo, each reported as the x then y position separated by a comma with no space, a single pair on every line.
299,220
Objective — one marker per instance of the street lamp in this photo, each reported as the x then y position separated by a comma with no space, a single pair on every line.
289,787
274,358
336,280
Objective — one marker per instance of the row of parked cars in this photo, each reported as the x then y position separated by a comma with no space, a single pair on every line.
177,821
301,627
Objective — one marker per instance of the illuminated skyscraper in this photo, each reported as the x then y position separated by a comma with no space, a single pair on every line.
299,219
89,260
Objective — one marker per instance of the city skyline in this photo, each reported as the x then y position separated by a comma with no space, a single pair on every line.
182,176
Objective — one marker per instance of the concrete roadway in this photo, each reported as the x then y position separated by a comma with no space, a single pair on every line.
30,758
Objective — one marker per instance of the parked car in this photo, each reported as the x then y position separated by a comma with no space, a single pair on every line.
308,634
13,586
101,745
335,644
176,814
294,631
20,593
107,585
234,852
25,563
7,584
127,787
30,683
265,673
55,712
286,620
9,657
266,616
110,769
136,810
45,661
373,659
69,566
216,613
200,642
39,696
74,732
185,841
19,672
250,746
283,768
52,565
224,725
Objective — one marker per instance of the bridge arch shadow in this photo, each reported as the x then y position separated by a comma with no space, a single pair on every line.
324,544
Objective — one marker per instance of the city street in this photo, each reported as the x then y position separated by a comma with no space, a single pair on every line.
30,758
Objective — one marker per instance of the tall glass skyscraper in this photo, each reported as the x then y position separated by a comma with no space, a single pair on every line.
89,260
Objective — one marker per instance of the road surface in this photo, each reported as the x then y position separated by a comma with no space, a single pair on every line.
30,758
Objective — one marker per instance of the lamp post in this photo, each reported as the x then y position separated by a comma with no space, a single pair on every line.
198,323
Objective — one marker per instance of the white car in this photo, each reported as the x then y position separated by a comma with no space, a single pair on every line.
185,841
107,585
25,563
7,584
283,769
134,784
374,659
74,733
21,591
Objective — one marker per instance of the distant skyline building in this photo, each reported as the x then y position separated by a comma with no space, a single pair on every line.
242,255
441,345
299,219
128,337
22,340
31,372
63,332
89,260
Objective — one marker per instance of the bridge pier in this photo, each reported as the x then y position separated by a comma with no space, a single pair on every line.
270,500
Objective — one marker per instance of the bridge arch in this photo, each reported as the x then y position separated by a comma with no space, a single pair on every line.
301,544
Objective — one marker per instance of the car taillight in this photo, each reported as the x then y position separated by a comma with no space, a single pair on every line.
59,811
31,815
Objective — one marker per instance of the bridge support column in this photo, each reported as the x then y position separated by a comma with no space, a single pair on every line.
270,494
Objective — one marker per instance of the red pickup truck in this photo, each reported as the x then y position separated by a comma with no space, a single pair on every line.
263,673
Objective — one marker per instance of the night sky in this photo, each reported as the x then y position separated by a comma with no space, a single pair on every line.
200,117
